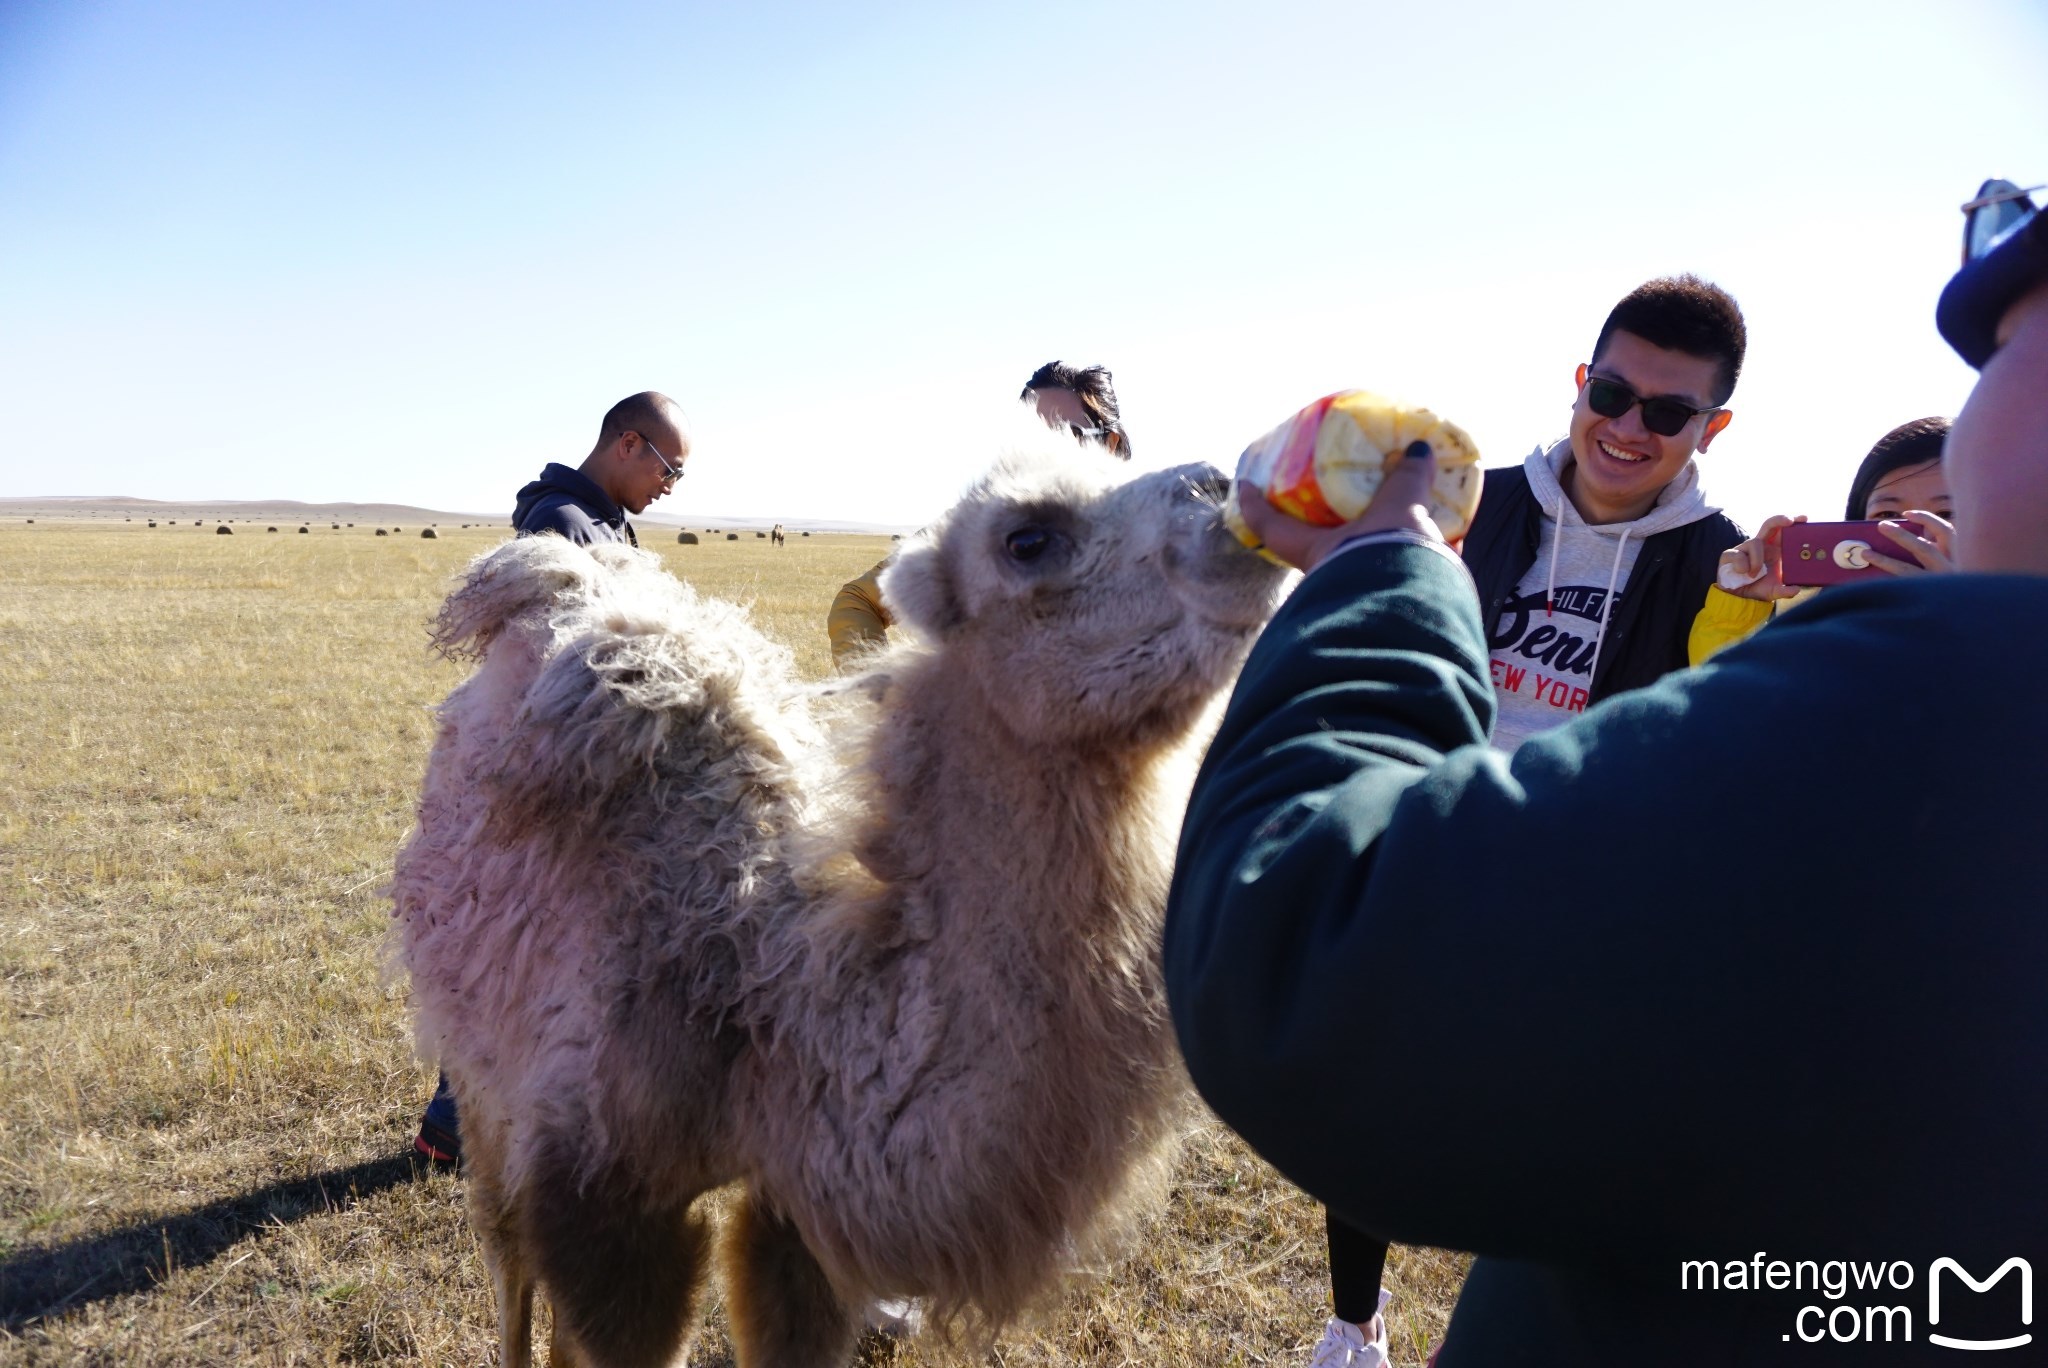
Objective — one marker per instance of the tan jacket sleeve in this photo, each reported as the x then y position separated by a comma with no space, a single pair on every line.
857,620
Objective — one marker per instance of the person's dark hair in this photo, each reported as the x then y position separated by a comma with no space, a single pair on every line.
1684,314
1917,443
1091,385
638,413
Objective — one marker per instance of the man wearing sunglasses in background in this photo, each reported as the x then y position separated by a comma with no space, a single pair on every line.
1644,1075
641,446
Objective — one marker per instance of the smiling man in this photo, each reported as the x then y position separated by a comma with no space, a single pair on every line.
1594,556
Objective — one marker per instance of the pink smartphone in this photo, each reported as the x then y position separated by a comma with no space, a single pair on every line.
1832,553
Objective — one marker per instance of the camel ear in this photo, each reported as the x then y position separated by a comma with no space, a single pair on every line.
917,589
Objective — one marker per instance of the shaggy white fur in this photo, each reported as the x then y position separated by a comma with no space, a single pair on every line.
889,958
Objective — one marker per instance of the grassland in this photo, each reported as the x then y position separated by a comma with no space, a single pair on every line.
207,1088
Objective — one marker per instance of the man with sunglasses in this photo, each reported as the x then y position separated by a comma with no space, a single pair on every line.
1658,1085
641,446
1593,558
642,443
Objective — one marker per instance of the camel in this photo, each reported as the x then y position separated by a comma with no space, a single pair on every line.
884,953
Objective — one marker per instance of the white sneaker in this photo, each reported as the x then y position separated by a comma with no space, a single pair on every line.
1345,1345
896,1317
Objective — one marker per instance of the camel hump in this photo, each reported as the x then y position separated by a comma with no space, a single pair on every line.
640,681
616,710
523,579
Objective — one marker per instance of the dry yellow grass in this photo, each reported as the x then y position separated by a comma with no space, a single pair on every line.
211,746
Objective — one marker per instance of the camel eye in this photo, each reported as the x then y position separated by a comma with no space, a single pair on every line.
1028,543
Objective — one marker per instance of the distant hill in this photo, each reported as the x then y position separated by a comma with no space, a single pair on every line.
116,507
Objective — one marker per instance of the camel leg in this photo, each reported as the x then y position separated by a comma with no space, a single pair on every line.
515,1315
561,1351
783,1311
623,1276
492,1217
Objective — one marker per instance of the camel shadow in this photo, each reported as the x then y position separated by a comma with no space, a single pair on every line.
36,1284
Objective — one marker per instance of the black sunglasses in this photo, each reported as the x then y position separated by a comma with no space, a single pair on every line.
1665,417
1998,207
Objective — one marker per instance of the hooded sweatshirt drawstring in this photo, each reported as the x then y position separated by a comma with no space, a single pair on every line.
1556,549
1606,607
1600,619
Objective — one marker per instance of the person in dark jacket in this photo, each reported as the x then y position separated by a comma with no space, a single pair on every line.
642,444
1592,561
641,447
1673,1107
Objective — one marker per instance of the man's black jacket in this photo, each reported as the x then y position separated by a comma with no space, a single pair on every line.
566,501
1795,1005
1653,615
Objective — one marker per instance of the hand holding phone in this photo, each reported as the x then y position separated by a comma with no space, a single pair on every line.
1750,569
1842,552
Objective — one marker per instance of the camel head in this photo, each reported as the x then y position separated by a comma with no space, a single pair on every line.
1087,605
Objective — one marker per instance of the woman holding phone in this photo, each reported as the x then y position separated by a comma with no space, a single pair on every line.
1900,482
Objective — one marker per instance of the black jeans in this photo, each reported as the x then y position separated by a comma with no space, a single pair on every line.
1358,1262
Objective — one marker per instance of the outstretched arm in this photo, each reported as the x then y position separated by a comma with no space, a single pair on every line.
1551,966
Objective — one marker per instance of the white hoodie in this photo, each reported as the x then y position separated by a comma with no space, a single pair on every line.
1545,645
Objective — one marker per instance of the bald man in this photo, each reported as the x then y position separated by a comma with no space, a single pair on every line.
641,447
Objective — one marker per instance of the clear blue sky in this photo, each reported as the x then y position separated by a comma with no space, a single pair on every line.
411,252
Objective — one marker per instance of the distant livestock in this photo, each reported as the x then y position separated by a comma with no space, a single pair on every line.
224,530
152,522
305,531
686,538
382,533
670,927
430,534
272,529
732,536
